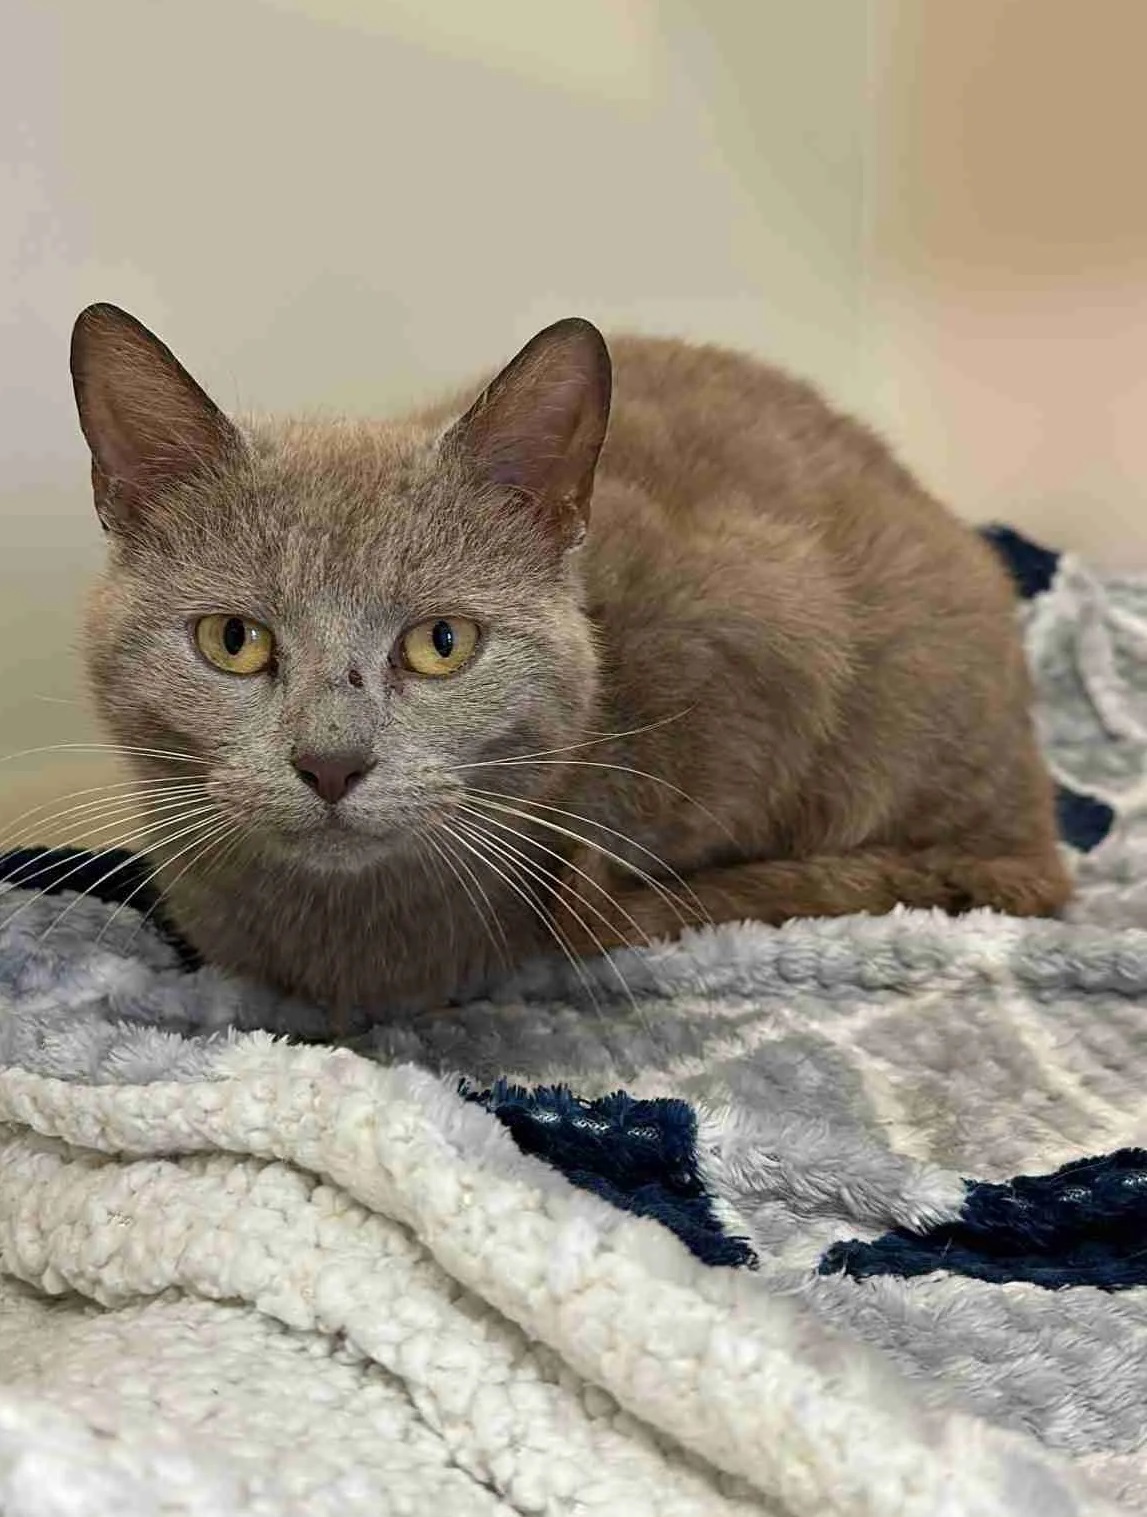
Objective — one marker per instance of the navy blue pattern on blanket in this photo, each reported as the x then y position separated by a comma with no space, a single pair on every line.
1031,566
640,1155
1084,821
1085,1224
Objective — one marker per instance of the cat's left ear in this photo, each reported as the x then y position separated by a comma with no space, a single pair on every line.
537,430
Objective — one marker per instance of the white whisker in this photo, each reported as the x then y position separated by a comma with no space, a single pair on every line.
90,859
431,864
455,864
126,815
481,797
535,907
161,790
226,845
652,883
509,853
482,816
217,832
164,842
642,774
605,737
20,877
114,748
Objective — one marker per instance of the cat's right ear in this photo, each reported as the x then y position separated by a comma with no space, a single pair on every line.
537,430
148,424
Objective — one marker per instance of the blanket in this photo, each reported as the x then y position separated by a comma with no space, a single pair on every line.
845,1217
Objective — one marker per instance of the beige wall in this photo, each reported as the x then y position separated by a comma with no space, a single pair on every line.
930,209
1006,318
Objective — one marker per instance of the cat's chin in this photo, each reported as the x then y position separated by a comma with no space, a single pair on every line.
334,850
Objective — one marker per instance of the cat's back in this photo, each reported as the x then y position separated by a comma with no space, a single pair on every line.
722,443
703,408
758,554
692,422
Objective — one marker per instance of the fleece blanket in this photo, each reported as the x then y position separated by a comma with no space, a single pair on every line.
846,1217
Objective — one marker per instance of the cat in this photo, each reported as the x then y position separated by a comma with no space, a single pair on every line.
414,714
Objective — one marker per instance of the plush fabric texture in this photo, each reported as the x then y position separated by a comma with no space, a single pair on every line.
775,1236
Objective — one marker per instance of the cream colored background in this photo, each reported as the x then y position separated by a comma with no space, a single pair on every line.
933,210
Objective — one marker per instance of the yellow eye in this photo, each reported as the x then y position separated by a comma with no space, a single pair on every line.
439,647
234,644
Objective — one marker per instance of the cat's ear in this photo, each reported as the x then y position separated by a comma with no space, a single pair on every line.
148,424
538,428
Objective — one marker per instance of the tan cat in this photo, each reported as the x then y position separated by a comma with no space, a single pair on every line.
414,710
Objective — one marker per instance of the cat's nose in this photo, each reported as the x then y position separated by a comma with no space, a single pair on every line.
331,775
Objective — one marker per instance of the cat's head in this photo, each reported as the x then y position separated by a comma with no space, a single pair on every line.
325,623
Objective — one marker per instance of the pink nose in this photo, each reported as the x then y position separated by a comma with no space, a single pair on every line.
331,775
